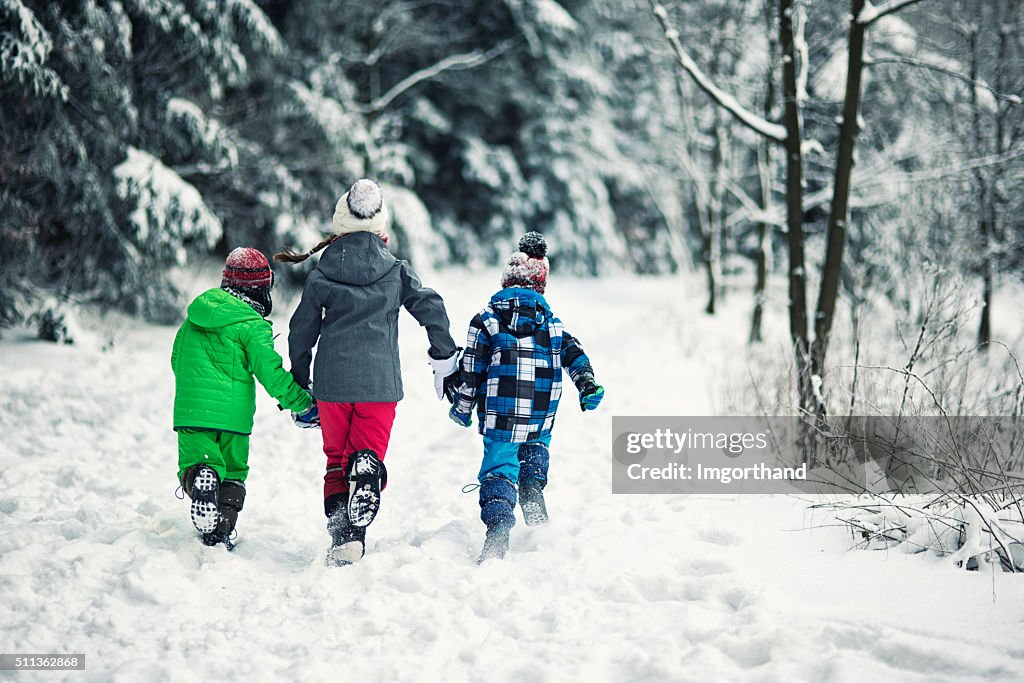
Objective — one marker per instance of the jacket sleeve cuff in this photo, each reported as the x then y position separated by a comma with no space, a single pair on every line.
583,377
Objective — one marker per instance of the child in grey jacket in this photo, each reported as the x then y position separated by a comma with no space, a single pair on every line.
349,311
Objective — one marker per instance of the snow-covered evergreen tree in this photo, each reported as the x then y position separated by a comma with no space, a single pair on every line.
91,90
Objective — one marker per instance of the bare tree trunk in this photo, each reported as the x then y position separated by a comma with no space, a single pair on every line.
713,235
701,193
984,192
764,172
763,255
839,216
987,285
1004,21
709,249
763,241
724,134
794,205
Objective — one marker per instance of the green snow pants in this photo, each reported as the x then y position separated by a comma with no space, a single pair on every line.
225,452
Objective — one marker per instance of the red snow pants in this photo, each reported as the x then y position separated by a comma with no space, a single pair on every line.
350,427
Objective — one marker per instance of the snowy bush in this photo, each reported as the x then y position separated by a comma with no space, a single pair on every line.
168,212
55,321
947,484
969,532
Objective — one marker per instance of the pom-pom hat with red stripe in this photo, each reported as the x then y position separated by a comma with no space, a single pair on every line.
247,268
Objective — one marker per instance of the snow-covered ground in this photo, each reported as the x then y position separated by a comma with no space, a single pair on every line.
98,557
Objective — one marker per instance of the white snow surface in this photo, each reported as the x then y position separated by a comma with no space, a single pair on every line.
97,556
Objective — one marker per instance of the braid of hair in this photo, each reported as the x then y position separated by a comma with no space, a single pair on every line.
288,255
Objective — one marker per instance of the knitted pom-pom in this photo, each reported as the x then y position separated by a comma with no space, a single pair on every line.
533,244
365,199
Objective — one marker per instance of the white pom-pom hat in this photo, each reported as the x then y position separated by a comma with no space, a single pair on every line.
361,209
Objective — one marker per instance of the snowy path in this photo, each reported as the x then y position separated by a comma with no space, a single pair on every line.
97,556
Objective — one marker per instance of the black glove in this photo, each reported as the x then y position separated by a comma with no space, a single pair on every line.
451,386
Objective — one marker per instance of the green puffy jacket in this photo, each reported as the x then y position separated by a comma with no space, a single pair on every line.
221,345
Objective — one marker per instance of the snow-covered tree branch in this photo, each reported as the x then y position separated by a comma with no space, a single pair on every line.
938,68
467,60
749,119
870,14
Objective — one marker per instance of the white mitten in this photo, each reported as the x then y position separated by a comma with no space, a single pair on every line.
442,369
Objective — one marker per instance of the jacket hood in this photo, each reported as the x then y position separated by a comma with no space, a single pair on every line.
359,258
522,311
216,308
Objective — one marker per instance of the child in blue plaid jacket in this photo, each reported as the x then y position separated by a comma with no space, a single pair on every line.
512,371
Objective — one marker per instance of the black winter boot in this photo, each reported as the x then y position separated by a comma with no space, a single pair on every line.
232,498
217,537
202,484
348,542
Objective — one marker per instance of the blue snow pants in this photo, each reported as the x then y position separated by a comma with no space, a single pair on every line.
504,459
505,465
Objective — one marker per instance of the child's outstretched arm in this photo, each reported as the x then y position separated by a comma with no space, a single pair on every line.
473,371
304,329
427,307
268,368
576,362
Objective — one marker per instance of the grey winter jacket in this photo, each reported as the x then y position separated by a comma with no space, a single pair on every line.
351,303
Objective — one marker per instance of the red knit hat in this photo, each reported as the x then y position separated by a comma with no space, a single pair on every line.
247,268
528,267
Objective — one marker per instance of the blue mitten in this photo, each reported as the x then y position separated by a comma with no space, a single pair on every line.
461,419
309,419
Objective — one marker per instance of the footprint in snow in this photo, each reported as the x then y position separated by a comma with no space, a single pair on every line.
722,537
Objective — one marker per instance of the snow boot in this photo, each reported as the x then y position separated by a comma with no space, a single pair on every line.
531,499
497,510
533,477
216,537
495,543
202,484
367,476
348,542
232,498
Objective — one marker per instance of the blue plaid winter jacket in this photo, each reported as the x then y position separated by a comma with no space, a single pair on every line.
512,366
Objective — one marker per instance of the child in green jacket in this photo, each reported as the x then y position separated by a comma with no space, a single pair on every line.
224,342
